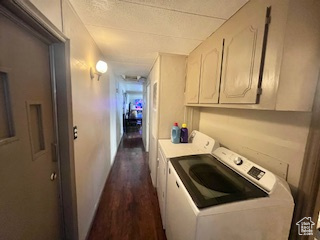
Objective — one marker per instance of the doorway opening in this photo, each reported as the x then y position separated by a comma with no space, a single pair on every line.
133,106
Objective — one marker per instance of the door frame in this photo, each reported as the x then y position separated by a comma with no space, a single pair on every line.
148,90
29,17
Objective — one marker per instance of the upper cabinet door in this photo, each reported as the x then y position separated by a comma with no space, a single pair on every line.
242,58
193,78
210,72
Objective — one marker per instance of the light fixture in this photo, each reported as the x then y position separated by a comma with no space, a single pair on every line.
101,67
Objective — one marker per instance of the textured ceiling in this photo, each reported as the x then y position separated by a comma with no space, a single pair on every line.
130,33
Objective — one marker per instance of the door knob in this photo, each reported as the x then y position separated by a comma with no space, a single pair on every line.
53,176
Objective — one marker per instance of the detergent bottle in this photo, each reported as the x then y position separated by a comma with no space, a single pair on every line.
184,134
175,133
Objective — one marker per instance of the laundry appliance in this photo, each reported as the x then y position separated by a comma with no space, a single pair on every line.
199,143
225,196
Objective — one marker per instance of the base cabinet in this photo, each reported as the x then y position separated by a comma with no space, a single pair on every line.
162,185
180,218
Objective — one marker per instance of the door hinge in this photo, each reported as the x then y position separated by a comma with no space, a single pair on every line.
259,92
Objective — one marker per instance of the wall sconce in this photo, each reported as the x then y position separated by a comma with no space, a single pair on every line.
101,67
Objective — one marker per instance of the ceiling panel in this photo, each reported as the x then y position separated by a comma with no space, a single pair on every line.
137,49
131,69
123,43
130,33
144,19
211,8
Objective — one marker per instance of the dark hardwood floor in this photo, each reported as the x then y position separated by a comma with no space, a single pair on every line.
128,208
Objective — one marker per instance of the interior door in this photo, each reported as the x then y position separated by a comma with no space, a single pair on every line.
29,202
242,58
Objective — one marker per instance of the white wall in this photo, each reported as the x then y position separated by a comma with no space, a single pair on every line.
114,117
153,78
120,101
51,9
166,80
267,137
93,111
92,106
133,87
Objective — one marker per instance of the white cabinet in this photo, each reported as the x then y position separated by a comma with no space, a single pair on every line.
193,78
162,184
203,75
271,58
241,41
210,71
180,218
243,50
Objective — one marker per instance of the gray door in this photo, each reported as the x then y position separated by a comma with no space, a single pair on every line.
29,198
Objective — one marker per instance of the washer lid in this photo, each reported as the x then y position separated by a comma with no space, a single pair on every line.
209,182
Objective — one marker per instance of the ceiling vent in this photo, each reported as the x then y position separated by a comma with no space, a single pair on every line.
136,79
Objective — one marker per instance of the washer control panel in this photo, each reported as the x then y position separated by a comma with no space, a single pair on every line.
256,173
249,170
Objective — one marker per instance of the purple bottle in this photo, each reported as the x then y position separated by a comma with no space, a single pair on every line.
184,134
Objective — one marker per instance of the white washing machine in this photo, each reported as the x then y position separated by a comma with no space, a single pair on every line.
224,196
199,143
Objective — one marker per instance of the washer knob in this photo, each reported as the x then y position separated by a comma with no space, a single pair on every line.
238,161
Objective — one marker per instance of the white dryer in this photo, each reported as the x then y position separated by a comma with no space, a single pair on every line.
199,143
224,196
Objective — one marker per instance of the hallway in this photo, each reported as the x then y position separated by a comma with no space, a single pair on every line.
128,208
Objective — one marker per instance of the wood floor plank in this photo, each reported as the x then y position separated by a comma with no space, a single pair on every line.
128,209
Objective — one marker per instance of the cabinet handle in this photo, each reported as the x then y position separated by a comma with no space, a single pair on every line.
169,171
177,184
